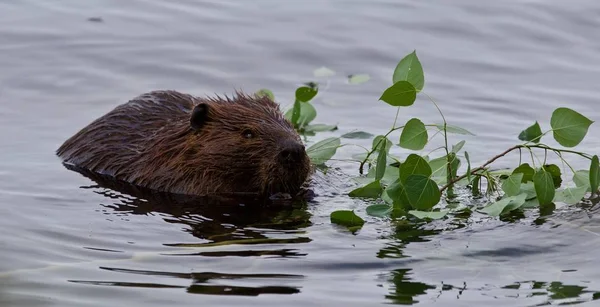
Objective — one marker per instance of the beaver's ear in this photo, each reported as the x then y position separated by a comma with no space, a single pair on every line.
199,116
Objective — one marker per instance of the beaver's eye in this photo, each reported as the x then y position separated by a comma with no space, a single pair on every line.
248,133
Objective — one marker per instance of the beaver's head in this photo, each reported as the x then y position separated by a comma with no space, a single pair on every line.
250,145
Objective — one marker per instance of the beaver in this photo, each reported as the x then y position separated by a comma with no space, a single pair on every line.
174,142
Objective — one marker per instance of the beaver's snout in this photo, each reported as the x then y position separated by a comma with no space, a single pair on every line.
291,154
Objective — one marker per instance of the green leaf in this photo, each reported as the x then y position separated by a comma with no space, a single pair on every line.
319,128
346,218
410,69
582,179
323,72
265,92
516,203
532,203
358,135
381,160
422,192
496,208
454,129
324,150
512,185
379,210
439,169
468,166
386,198
454,164
380,139
358,78
401,94
594,174
544,186
397,193
554,170
301,114
570,196
371,190
414,165
529,189
569,127
294,114
433,215
456,148
390,175
306,93
533,133
475,186
414,135
527,171
504,205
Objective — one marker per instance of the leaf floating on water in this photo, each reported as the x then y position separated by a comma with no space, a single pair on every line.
371,190
570,196
323,72
380,210
357,135
358,79
505,205
434,215
346,218
582,179
320,128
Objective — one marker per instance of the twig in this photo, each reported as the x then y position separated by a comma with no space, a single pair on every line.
475,170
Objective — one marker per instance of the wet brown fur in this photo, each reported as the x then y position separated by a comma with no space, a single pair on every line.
149,142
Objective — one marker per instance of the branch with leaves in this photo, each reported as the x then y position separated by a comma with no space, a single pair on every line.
416,185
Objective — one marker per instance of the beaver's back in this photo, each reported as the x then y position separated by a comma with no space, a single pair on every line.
116,139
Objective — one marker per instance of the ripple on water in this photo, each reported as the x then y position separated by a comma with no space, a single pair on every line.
494,68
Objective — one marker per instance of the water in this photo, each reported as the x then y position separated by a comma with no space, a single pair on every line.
494,68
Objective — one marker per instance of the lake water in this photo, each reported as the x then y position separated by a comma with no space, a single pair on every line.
493,67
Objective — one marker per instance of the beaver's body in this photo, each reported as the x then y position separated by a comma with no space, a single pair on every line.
178,143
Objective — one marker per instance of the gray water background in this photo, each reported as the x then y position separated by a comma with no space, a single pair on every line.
494,68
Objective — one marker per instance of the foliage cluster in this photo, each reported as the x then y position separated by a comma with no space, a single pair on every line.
418,184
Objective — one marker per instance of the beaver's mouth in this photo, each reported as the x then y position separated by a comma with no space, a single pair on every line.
286,179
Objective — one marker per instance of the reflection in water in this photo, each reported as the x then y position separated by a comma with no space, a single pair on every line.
557,292
201,282
403,290
217,222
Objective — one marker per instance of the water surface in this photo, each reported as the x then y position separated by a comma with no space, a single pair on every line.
494,68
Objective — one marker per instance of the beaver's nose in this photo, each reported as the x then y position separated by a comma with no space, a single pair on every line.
292,153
